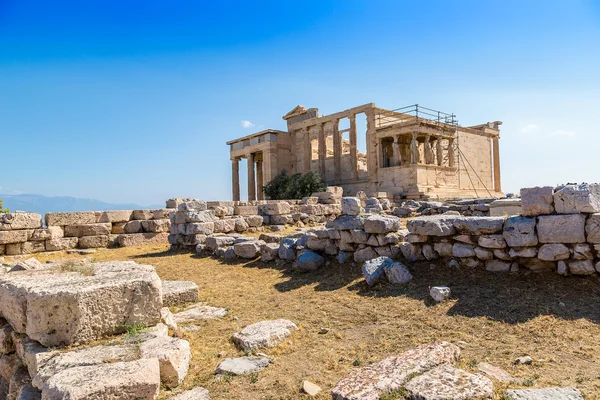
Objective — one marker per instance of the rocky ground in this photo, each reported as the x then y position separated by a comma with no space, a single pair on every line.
343,324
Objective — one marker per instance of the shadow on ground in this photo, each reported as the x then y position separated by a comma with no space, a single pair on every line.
506,297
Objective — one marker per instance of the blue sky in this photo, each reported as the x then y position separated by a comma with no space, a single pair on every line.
133,101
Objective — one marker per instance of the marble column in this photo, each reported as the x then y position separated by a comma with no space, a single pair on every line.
353,148
322,149
496,149
235,178
337,150
307,150
259,180
251,180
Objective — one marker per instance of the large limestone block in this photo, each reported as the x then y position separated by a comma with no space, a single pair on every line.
544,394
502,207
373,270
134,380
264,334
179,292
140,239
52,232
309,261
198,393
245,211
199,312
192,205
479,225
537,201
114,216
391,374
59,361
30,264
6,343
31,353
67,308
183,217
382,224
346,223
173,203
14,221
567,228
242,365
202,228
351,206
447,382
592,228
173,356
93,242
278,208
248,249
287,249
553,252
88,229
215,242
59,244
577,199
520,232
7,237
142,215
157,225
134,226
70,218
269,252
434,225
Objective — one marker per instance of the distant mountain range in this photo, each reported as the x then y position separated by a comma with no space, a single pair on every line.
41,204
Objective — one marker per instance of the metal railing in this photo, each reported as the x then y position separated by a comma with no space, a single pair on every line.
414,112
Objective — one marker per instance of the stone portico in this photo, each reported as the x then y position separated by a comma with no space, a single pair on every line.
413,152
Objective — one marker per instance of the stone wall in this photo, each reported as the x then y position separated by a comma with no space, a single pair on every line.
558,231
27,233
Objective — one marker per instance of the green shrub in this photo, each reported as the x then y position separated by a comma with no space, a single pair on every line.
3,210
293,187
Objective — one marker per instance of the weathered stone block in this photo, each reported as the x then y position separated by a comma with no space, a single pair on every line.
308,261
544,394
52,232
14,221
83,308
397,273
7,237
537,201
492,241
114,216
278,208
192,205
203,228
497,266
173,356
245,211
577,199
70,218
92,242
391,374
351,206
520,232
175,293
224,225
269,252
567,228
13,249
463,250
134,380
88,229
346,222
435,225
592,228
140,239
61,244
263,334
581,267
363,255
158,225
448,382
382,224
479,225
33,247
248,249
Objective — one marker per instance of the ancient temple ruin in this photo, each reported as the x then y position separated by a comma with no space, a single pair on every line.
413,152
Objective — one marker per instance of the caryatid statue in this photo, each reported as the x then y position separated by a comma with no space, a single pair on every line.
396,152
429,157
440,152
415,157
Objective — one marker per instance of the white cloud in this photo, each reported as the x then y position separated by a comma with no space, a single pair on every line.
562,132
530,128
247,124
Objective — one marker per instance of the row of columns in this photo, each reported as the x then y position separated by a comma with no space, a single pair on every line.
403,154
255,177
337,149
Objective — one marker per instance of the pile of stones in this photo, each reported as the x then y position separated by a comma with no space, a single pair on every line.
52,314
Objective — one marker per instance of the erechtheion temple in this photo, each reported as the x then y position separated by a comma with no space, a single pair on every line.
414,152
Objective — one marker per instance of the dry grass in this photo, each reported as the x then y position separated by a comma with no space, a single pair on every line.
494,317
